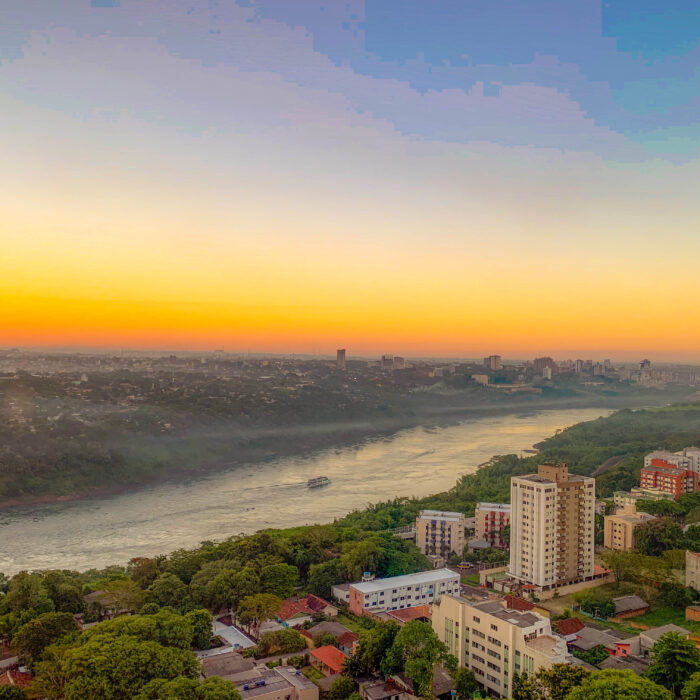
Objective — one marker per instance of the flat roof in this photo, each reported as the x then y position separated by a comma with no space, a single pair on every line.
432,576
441,515
514,617
493,506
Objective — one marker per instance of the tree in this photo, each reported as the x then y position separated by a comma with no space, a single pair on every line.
655,536
416,648
691,689
620,685
341,688
181,688
168,590
524,687
325,639
36,635
557,681
465,682
27,592
12,692
674,595
143,571
323,576
201,621
229,587
623,564
115,597
372,647
108,668
279,579
284,641
65,591
676,659
255,609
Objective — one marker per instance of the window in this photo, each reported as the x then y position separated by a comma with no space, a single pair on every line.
494,627
476,619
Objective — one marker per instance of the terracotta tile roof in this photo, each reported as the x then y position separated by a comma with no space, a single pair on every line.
347,638
310,605
599,570
412,613
513,602
570,625
332,657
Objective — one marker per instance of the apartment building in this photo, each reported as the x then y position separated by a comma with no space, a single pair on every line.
441,532
398,592
491,518
692,570
552,527
668,478
618,531
496,642
687,458
628,498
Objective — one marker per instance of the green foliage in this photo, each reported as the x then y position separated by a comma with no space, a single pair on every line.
279,579
556,682
414,651
676,659
372,646
653,538
593,656
341,688
325,639
595,602
32,638
181,688
168,590
691,689
257,608
201,622
617,685
12,692
106,667
674,595
465,682
284,641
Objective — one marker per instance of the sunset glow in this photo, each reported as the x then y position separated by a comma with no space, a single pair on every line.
248,179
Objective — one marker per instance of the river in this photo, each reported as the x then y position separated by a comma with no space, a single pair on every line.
416,462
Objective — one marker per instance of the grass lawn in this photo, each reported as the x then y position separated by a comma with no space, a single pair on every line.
667,616
313,674
472,579
350,622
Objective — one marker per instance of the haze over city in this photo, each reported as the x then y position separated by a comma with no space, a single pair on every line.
295,177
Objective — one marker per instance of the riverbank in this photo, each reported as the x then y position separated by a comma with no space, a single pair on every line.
415,462
263,445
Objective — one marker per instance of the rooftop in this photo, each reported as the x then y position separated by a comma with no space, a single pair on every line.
627,603
226,665
416,612
441,515
493,506
514,617
423,577
331,657
657,632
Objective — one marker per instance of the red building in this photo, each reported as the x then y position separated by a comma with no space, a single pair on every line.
668,478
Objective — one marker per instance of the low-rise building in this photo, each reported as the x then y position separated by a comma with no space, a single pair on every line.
618,532
440,532
328,660
692,570
496,642
398,592
630,606
341,592
627,498
491,518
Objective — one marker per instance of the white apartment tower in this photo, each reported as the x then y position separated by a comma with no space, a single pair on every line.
552,527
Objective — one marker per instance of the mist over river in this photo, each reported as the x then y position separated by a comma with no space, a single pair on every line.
416,462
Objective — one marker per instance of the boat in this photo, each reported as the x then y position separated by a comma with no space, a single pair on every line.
318,481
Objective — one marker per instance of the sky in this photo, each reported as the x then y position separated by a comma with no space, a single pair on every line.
436,177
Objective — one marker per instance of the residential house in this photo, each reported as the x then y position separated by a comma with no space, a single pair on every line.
328,659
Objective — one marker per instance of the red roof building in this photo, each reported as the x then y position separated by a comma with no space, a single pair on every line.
328,660
668,478
305,607
416,612
513,602
571,625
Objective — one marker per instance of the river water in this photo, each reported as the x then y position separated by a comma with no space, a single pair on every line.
416,462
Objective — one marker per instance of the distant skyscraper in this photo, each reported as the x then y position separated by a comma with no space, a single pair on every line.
541,362
387,362
645,364
493,362
340,360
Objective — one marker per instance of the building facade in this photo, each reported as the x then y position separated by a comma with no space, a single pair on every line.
692,570
552,527
398,592
668,478
618,530
440,533
495,642
340,360
493,362
491,518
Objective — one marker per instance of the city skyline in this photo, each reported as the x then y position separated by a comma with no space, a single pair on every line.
438,178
